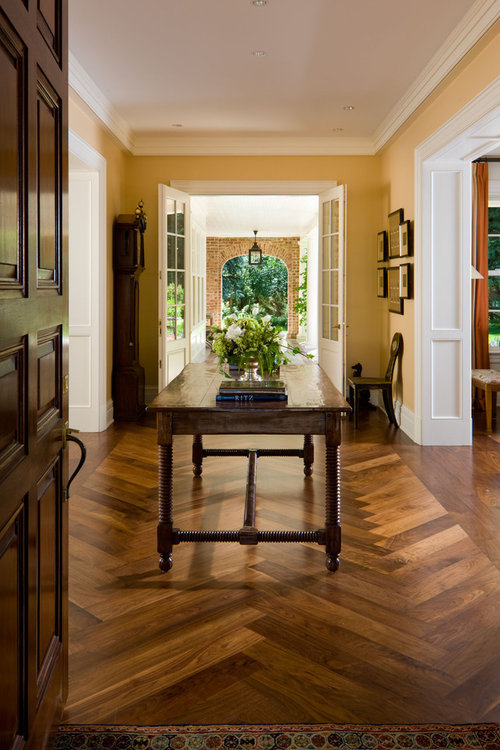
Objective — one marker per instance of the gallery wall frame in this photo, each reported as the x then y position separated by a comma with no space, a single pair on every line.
381,282
395,219
405,280
405,243
395,303
381,246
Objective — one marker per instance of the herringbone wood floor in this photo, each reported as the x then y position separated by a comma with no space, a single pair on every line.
408,630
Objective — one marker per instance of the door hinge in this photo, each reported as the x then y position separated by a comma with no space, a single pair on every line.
160,275
160,364
159,323
65,383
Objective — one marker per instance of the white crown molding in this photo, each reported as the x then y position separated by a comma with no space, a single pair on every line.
87,89
145,145
469,125
474,24
253,187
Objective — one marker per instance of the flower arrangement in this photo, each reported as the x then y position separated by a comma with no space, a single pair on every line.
246,337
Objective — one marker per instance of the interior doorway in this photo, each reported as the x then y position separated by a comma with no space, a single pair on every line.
443,412
89,410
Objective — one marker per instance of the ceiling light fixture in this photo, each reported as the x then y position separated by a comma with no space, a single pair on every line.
259,53
348,107
337,130
255,253
176,125
259,3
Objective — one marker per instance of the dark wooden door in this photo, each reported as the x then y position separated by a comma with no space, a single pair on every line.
33,368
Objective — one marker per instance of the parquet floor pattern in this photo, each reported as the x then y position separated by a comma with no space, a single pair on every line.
408,629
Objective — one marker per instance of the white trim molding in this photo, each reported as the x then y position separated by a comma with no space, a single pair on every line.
97,163
482,15
442,269
253,187
166,145
89,91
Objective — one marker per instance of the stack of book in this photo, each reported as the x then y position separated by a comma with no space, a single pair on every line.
262,390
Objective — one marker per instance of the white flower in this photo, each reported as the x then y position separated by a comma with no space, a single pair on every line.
266,318
255,310
233,332
282,335
231,317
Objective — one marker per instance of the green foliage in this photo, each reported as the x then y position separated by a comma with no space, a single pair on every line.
247,336
265,285
300,306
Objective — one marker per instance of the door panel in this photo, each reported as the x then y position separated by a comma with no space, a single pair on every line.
332,284
12,583
33,369
13,129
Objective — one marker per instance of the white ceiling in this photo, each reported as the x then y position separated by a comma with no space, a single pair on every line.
162,63
271,215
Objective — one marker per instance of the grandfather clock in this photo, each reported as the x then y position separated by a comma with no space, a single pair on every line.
128,264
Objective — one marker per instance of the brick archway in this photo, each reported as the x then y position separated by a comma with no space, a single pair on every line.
222,249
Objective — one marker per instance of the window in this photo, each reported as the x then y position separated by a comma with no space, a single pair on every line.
494,274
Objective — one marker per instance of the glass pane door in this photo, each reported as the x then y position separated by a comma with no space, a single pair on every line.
176,276
331,272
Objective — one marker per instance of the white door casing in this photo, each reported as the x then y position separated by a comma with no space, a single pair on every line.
174,295
442,270
198,284
331,263
88,408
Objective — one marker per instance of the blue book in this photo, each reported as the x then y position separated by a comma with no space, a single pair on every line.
252,397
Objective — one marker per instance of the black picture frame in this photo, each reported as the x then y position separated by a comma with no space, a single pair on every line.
405,290
394,301
381,282
395,219
405,243
381,246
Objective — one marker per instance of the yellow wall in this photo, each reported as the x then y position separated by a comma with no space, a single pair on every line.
474,73
360,174
85,124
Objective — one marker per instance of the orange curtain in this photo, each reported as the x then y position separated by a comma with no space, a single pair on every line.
481,355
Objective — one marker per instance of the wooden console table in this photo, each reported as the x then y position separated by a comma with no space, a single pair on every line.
187,406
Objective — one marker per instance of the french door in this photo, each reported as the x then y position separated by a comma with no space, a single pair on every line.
174,283
332,284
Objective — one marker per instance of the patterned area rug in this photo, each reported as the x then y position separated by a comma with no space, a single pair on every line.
281,737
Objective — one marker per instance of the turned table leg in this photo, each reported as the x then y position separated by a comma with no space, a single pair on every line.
197,455
165,519
332,499
308,455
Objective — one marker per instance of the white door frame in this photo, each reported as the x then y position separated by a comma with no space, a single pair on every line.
443,414
100,413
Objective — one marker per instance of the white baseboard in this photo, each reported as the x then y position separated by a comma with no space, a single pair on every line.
404,416
150,391
107,415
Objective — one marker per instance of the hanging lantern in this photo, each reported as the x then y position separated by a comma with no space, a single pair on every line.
255,253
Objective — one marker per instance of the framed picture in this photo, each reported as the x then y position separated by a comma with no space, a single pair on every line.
381,282
381,247
395,302
405,281
395,219
404,239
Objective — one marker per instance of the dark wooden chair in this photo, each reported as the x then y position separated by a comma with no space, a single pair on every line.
384,384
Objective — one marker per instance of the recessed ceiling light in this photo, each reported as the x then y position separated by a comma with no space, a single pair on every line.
348,107
176,125
259,3
337,130
259,53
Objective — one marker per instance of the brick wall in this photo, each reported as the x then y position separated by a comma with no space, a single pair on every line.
222,249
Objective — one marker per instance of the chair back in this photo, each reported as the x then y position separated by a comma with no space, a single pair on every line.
396,344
